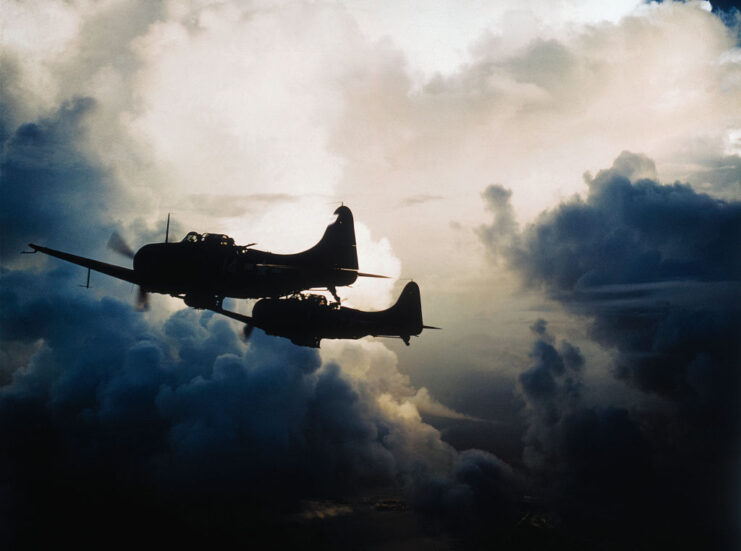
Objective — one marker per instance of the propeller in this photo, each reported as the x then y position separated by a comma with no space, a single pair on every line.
247,331
117,243
142,300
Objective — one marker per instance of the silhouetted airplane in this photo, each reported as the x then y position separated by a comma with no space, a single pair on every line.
307,319
202,269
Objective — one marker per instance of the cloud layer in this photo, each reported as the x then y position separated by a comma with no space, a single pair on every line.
655,270
237,116
110,409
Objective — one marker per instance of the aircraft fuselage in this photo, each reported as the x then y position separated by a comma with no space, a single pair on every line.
193,269
204,268
309,319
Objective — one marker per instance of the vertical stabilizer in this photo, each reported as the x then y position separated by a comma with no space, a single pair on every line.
407,312
337,246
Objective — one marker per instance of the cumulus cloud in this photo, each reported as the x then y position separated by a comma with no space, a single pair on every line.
48,183
655,270
632,230
595,450
504,229
116,113
121,406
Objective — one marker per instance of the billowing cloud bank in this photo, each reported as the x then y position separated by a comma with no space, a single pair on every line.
254,119
114,425
117,423
656,271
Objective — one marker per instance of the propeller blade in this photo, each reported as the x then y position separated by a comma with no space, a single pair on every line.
430,327
142,300
117,243
247,331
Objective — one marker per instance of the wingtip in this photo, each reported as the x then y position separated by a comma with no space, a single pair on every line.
35,249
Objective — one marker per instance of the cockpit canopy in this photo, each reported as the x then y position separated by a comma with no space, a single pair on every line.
209,239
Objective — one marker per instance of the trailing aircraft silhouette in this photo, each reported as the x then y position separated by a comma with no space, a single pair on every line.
203,269
307,319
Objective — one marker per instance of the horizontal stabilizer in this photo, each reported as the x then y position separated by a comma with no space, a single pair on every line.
294,268
363,274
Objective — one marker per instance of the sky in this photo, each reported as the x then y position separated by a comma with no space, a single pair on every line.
562,179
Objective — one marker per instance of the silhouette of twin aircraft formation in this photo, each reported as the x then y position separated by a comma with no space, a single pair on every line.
203,269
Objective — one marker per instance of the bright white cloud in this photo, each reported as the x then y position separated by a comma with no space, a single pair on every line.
436,36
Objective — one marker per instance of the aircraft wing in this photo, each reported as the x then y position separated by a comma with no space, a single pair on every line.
127,274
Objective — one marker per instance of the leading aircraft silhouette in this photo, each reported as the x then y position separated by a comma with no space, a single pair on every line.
203,269
307,319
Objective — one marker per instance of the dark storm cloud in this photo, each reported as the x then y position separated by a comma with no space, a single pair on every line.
50,190
655,270
110,405
136,426
635,256
729,13
481,497
593,450
632,232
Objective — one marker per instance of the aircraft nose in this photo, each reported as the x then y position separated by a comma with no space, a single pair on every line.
258,310
143,258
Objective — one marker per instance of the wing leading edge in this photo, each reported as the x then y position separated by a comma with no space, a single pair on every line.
127,274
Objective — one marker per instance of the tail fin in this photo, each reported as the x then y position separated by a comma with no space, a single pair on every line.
337,246
407,312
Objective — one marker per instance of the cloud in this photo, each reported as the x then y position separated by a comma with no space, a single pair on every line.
654,269
632,231
141,418
231,206
719,176
479,501
121,406
418,200
504,229
122,112
48,183
376,368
